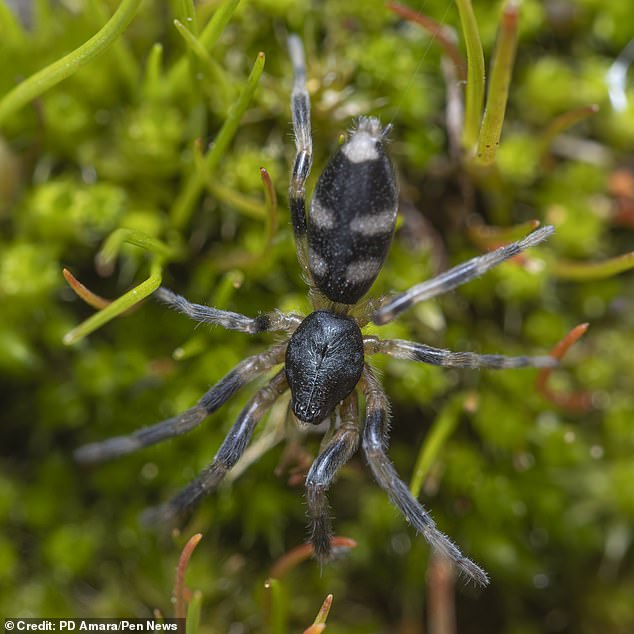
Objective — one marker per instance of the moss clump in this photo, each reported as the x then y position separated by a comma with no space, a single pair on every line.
106,162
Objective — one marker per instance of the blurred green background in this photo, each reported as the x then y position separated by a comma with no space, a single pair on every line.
537,491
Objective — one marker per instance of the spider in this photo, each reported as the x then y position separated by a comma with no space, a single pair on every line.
341,245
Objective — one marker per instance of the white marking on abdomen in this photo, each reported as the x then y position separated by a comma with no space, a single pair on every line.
318,265
321,216
362,270
374,224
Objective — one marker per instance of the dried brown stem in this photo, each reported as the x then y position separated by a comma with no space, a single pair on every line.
579,401
180,590
295,556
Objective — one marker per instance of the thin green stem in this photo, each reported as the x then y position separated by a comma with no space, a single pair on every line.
112,245
474,97
209,36
247,259
153,72
500,79
59,70
193,613
227,286
586,271
442,428
277,608
119,305
199,52
250,207
247,205
191,348
184,205
193,44
217,24
187,14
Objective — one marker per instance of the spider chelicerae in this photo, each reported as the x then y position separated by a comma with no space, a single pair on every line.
341,245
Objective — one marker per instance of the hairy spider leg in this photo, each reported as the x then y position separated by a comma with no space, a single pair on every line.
300,109
345,236
275,321
228,454
215,397
339,449
413,351
375,434
456,276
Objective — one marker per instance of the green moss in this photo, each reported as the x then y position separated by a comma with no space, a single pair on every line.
554,85
539,494
26,272
518,158
68,211
69,550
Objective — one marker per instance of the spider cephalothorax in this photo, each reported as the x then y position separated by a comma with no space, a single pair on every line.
341,245
324,362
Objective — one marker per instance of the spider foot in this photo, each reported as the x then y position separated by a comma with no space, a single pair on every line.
320,539
320,526
470,570
333,549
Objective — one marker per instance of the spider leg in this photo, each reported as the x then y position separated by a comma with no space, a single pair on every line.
373,442
268,322
334,455
219,394
300,108
456,276
413,351
228,454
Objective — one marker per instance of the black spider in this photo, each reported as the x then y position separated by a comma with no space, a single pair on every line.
341,245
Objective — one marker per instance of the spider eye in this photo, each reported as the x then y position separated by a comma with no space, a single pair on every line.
324,361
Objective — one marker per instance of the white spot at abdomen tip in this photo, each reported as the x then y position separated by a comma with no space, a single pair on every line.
361,147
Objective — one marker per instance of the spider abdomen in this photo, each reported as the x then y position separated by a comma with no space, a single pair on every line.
352,215
324,361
